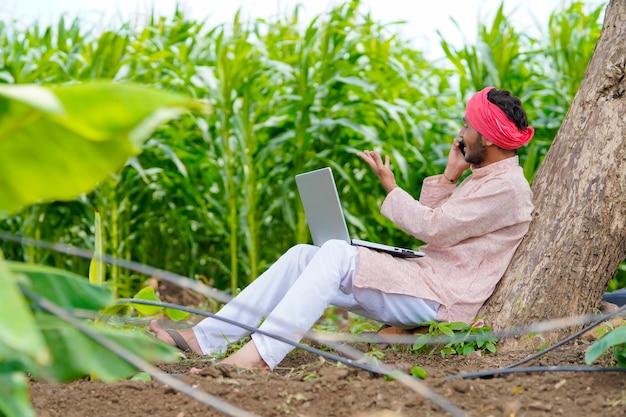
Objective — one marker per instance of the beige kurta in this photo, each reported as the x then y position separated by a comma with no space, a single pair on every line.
471,233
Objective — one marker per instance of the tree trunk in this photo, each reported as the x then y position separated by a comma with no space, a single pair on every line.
577,238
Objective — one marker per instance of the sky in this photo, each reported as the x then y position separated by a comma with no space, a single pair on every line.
423,17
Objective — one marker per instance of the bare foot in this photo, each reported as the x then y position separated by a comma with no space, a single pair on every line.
186,334
247,357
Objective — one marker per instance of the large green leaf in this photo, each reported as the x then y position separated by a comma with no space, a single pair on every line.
56,143
14,400
64,288
18,330
89,357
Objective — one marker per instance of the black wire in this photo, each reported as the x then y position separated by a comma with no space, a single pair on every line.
567,339
252,329
513,368
502,371
427,393
198,395
148,270
220,296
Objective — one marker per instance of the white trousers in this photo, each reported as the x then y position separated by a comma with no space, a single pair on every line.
293,294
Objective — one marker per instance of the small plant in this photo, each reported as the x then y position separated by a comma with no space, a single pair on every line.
614,340
374,352
418,372
456,338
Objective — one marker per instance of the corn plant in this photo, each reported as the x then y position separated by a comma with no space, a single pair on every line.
213,195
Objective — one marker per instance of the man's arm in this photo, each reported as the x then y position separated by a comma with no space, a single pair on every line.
493,207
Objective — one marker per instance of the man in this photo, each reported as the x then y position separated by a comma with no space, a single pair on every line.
471,231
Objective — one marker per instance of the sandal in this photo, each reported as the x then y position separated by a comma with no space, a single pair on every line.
179,341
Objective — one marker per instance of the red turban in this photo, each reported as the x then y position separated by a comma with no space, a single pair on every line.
491,122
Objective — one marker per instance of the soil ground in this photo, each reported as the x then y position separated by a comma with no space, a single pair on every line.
305,384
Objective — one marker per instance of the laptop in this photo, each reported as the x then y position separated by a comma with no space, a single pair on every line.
325,217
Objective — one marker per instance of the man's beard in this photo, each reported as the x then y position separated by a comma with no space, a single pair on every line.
477,155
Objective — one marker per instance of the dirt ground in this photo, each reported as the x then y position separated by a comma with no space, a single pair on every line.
307,385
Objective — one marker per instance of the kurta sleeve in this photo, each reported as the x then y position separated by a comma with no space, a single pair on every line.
490,207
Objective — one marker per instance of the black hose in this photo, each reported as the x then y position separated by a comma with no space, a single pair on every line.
567,339
252,329
503,371
513,368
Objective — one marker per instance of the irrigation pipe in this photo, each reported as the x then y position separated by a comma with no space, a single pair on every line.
370,366
513,368
531,369
567,339
252,329
200,396
183,281
176,279
206,291
410,382
224,297
545,326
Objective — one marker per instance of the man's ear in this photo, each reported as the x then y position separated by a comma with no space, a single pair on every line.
486,142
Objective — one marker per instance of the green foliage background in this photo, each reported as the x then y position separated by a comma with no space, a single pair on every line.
214,196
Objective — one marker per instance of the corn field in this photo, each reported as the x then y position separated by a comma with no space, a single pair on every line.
214,197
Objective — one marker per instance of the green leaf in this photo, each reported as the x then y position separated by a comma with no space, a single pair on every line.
418,372
141,376
147,294
176,315
420,342
615,337
64,288
459,326
14,398
19,330
620,354
445,329
467,348
76,355
57,143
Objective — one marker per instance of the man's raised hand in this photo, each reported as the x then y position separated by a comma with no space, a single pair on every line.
380,168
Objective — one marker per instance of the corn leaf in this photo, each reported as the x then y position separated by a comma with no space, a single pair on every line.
97,266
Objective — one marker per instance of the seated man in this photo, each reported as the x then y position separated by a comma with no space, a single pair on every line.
471,231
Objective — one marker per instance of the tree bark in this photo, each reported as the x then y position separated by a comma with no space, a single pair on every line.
577,237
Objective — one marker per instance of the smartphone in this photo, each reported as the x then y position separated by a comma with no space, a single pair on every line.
462,146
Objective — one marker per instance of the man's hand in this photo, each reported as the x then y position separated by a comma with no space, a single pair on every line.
382,170
456,165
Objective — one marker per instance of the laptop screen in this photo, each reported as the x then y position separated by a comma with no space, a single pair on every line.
322,208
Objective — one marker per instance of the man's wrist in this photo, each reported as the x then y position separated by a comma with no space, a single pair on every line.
449,178
391,187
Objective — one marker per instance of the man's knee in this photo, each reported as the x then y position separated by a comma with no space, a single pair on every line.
337,246
342,256
301,253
